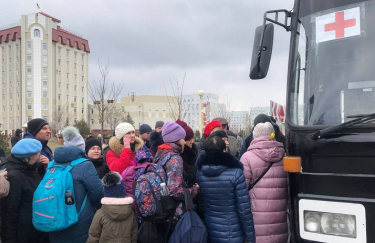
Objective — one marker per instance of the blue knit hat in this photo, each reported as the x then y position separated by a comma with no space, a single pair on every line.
113,185
26,147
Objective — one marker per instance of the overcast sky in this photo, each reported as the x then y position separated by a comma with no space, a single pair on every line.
147,43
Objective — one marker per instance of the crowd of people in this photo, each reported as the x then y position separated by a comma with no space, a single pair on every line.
239,187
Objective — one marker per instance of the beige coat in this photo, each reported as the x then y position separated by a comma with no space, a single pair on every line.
114,222
4,186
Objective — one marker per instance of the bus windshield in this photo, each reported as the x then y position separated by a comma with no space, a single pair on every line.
334,72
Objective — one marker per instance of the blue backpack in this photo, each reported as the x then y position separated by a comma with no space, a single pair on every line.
190,228
50,211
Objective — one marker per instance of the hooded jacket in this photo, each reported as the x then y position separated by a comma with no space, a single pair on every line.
16,137
189,156
228,216
269,195
174,170
114,222
86,182
119,158
46,151
16,208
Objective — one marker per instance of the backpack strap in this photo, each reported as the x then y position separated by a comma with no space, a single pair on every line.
260,177
77,161
83,205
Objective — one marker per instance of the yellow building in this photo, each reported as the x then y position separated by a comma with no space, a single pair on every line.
43,72
143,109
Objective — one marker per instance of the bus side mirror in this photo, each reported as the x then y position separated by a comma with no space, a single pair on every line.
262,51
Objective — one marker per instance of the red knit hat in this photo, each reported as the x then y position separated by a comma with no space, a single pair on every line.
188,130
210,126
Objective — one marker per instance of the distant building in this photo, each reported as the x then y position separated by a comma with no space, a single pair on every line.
254,111
210,109
142,108
240,120
43,72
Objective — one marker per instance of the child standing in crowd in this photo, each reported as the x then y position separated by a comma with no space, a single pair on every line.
269,195
115,221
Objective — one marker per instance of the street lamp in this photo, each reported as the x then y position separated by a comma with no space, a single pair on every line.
200,93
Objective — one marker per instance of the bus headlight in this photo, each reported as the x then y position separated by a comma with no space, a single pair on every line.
338,224
330,223
312,222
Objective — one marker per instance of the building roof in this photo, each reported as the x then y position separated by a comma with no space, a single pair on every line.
11,34
49,16
65,37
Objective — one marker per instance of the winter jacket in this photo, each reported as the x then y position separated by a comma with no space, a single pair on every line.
189,156
174,170
119,158
269,195
234,144
114,222
46,151
228,216
16,137
100,166
86,182
16,208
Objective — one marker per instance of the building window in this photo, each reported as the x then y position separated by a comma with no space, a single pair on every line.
45,58
67,53
45,70
149,114
45,94
83,110
83,67
45,118
67,98
59,62
36,33
75,110
45,46
75,98
75,66
59,96
92,121
45,106
29,82
45,83
75,87
59,50
67,75
83,57
75,55
29,44
29,69
29,118
67,86
29,94
67,64
29,57
29,106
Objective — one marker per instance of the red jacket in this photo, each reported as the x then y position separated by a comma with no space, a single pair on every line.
119,158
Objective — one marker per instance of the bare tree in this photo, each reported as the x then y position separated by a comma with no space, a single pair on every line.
59,119
104,94
114,116
174,101
225,109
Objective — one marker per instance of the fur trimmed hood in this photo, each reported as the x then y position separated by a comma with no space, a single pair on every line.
218,158
115,145
117,209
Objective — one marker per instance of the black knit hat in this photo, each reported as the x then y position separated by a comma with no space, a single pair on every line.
156,140
91,143
261,118
35,125
220,134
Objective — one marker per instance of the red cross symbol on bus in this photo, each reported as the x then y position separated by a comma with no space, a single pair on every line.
340,24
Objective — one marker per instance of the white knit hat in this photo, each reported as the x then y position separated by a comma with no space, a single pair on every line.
122,129
263,129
